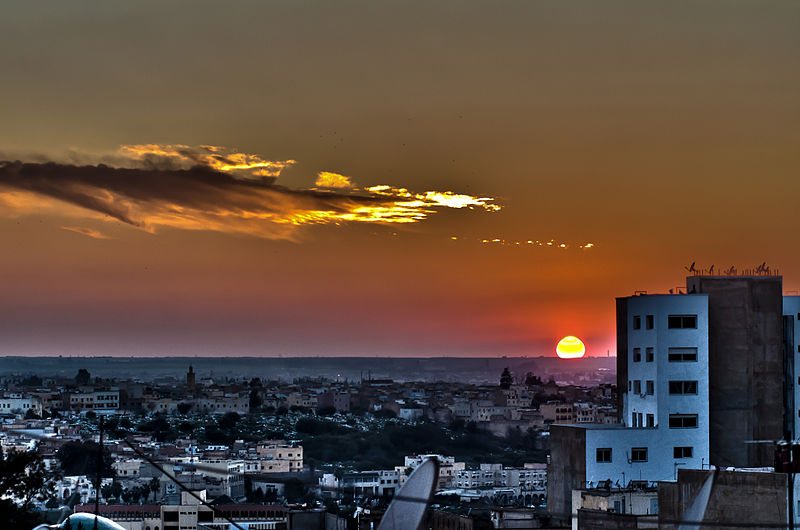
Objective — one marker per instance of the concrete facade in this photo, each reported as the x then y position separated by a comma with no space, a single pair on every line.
737,497
746,366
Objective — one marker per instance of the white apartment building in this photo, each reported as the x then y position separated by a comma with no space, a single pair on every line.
530,477
19,403
665,410
665,414
448,467
381,482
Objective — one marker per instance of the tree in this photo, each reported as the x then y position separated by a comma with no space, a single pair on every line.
107,492
33,380
229,420
184,407
506,380
532,380
80,458
83,377
24,478
293,490
154,486
186,427
255,400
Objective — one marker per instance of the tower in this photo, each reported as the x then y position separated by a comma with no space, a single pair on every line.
190,381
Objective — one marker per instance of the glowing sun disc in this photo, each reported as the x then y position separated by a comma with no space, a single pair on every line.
570,348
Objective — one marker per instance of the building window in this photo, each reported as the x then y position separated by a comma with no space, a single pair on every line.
678,355
637,387
682,322
651,354
629,384
649,321
650,387
651,420
639,454
683,387
637,355
604,454
682,452
682,421
637,322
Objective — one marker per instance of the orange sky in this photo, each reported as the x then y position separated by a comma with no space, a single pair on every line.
662,134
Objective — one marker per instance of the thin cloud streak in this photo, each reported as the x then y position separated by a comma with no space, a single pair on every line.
95,234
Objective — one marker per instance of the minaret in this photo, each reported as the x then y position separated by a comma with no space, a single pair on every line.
190,378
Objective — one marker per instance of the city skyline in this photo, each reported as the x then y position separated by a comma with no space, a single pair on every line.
383,180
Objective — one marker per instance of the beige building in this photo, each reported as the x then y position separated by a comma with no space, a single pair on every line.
100,400
555,412
279,457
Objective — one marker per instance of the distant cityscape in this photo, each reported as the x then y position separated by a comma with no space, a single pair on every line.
695,422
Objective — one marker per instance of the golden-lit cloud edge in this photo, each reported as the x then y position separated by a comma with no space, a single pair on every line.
211,188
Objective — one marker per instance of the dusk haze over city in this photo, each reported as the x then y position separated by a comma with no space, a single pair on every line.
443,265
413,179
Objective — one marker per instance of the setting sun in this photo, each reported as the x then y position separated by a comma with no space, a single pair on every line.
570,348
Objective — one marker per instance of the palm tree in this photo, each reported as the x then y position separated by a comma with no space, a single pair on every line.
154,486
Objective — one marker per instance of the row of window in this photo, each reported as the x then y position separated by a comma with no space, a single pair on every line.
638,420
637,354
676,421
675,387
639,454
674,355
673,322
636,387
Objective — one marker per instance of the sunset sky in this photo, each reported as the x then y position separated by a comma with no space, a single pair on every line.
364,178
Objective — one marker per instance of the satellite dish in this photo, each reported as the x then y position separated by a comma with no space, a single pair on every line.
697,510
409,505
86,521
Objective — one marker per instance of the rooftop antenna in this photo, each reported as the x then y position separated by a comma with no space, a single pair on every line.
691,268
711,271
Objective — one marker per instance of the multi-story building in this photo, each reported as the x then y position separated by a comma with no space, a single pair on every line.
279,457
95,400
190,514
557,412
339,400
530,477
20,403
303,400
700,377
585,413
239,403
448,467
